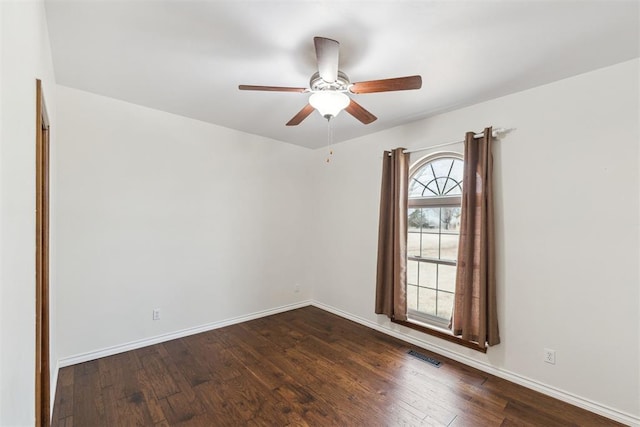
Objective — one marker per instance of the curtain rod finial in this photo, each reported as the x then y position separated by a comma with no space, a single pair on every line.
499,132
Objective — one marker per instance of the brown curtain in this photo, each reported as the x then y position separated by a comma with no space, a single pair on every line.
475,314
391,293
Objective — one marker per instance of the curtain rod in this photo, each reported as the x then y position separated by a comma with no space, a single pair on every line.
496,133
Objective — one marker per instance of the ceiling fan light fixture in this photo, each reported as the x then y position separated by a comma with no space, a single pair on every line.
329,103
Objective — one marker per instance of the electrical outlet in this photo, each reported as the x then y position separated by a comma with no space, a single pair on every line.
549,356
156,314
296,288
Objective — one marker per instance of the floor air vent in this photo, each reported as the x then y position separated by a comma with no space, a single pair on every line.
426,358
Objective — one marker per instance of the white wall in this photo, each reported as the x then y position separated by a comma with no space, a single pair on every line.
160,211
25,55
567,191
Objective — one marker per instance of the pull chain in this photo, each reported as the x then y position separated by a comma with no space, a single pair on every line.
329,139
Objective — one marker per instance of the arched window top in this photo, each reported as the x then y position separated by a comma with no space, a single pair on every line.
437,176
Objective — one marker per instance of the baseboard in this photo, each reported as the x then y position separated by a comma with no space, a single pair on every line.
132,345
562,395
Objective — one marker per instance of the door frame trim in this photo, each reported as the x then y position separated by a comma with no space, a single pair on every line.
42,362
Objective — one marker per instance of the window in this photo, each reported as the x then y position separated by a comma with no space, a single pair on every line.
435,189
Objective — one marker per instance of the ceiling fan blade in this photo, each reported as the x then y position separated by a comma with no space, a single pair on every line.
387,85
327,55
272,88
302,114
357,111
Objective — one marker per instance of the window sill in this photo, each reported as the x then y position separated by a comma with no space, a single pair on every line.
440,334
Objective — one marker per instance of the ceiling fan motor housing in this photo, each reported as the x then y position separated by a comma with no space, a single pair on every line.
341,84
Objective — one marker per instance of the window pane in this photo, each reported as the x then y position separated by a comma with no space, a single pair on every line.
430,242
432,189
440,183
412,272
454,186
413,243
412,297
447,277
418,218
457,171
450,219
445,305
442,166
449,246
414,219
428,275
415,188
414,222
427,301
430,218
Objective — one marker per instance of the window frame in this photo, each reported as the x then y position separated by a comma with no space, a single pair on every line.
415,316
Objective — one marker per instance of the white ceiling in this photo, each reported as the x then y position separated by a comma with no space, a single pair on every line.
188,57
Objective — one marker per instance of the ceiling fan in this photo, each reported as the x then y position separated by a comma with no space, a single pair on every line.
329,87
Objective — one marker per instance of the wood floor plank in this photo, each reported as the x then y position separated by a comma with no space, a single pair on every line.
134,410
112,411
146,386
219,361
88,408
66,422
156,368
304,367
189,358
181,407
290,395
63,405
219,410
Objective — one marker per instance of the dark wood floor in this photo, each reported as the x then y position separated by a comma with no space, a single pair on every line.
302,367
